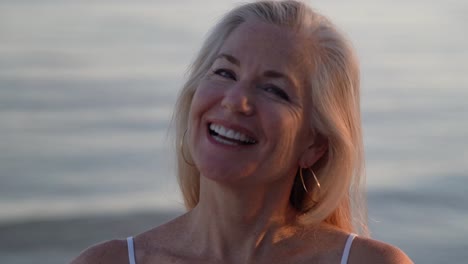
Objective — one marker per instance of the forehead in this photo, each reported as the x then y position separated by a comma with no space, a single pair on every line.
269,45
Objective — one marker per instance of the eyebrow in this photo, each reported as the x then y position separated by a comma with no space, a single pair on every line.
229,58
275,74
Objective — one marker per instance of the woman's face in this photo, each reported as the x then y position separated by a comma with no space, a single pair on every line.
249,116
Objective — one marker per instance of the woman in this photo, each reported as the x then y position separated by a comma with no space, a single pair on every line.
271,157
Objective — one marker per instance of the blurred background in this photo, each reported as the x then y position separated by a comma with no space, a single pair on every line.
87,90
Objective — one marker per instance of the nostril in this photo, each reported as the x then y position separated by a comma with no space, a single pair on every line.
238,104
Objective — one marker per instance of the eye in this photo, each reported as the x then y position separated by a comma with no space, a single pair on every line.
276,91
225,74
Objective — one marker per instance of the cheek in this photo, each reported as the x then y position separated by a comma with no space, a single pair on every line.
283,120
287,127
205,96
285,153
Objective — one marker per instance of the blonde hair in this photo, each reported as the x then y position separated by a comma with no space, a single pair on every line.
335,117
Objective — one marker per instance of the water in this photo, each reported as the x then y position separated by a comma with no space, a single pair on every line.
86,95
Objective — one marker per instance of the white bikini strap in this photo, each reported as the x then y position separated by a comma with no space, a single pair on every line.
347,248
131,250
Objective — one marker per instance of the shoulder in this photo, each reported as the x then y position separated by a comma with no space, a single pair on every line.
365,250
113,251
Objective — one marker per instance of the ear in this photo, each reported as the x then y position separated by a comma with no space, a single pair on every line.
314,152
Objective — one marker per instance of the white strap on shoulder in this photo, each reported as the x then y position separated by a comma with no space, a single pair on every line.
131,250
347,248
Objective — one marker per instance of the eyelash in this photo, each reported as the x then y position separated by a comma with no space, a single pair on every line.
269,87
277,91
222,72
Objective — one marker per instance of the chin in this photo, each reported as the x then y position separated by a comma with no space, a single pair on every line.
227,174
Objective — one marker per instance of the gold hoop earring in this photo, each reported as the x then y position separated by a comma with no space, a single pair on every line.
182,149
316,182
302,180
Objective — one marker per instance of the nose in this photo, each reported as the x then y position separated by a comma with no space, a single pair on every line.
237,99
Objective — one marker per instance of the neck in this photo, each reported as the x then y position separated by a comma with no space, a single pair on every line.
237,223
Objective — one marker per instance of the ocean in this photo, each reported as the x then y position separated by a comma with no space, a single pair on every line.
87,90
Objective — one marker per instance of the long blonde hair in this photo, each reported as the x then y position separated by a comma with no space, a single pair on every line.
336,115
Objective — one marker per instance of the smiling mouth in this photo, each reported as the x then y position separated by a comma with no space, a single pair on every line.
229,136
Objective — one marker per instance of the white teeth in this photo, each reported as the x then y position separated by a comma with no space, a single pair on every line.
231,134
221,130
224,141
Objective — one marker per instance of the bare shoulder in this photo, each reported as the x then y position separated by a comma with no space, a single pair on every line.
113,251
149,246
365,250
